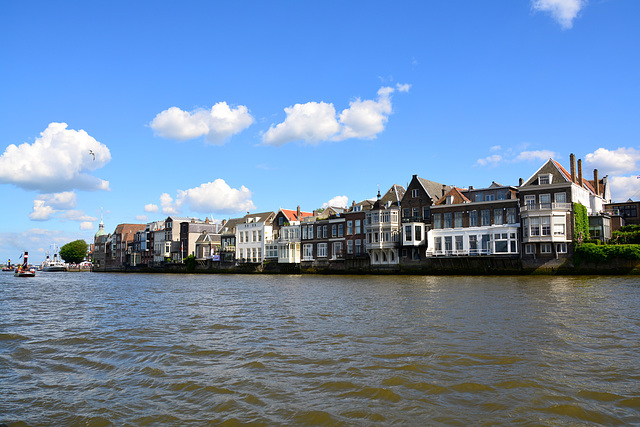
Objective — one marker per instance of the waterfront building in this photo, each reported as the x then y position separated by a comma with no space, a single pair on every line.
628,211
287,234
416,205
547,210
475,222
383,228
323,240
207,246
254,238
355,233
117,246
228,239
191,230
99,249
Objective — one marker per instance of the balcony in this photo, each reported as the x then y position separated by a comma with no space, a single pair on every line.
546,206
412,219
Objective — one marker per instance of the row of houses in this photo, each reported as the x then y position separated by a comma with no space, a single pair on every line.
532,222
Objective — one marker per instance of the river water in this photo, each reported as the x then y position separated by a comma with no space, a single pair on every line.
137,349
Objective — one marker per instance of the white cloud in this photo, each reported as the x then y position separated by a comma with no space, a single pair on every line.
616,162
151,207
624,188
311,122
496,148
38,238
86,225
41,211
538,155
142,218
337,202
216,196
58,160
490,160
77,215
563,11
216,125
314,122
166,201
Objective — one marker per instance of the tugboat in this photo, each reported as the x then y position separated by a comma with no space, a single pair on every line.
24,270
54,265
8,267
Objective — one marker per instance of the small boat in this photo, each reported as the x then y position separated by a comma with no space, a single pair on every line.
54,265
8,267
23,270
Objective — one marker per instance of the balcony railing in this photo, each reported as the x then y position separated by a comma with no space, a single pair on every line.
412,219
458,252
546,206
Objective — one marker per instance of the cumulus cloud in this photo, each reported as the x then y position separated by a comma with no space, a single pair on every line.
539,155
87,225
490,160
337,202
315,122
615,162
151,207
47,205
563,11
624,187
216,196
216,125
142,218
60,159
41,211
77,215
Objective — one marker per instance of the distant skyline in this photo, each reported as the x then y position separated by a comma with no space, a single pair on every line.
141,110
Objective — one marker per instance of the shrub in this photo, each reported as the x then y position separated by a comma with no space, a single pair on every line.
590,252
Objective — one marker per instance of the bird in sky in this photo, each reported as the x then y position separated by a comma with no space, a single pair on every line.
93,154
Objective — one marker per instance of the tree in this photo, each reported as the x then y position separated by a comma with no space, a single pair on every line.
74,252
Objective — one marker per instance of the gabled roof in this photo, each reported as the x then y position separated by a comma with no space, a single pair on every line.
393,195
458,197
553,165
292,215
259,217
229,227
433,189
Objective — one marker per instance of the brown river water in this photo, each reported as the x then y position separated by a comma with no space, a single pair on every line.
151,349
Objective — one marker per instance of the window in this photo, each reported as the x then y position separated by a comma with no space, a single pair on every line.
489,197
405,213
478,197
307,251
358,247
437,221
325,231
545,201
241,237
349,228
473,244
530,249
407,233
337,250
415,193
500,243
447,220
438,243
458,219
426,213
473,219
525,227
560,197
546,225
415,212
497,216
561,248
511,216
502,195
558,229
486,243
458,243
340,230
530,201
254,236
448,244
486,217
418,233
544,179
322,250
535,226
334,230
358,230
545,248
350,247
280,221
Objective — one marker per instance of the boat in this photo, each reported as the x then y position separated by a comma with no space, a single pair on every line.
54,265
23,270
8,267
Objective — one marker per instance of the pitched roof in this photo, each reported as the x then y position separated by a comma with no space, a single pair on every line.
458,197
393,195
433,189
229,227
292,215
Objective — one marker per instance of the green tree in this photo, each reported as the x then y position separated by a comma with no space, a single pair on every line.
74,252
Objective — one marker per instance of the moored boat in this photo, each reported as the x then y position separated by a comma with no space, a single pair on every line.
8,267
23,270
54,265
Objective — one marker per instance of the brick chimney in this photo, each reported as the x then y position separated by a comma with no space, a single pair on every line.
520,182
572,159
298,213
596,182
444,190
580,172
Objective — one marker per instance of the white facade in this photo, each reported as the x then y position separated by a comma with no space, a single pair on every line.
484,240
251,240
383,236
289,244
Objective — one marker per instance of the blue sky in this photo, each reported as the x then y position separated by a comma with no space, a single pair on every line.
218,108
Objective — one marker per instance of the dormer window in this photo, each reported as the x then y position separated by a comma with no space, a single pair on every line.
544,179
387,205
449,200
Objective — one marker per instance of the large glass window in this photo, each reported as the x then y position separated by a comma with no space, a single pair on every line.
511,216
349,228
322,250
437,221
447,220
358,228
497,216
535,226
458,219
545,201
473,219
546,225
459,244
407,233
337,250
486,217
448,244
340,230
418,231
560,197
307,251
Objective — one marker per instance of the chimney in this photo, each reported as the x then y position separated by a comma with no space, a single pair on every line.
315,212
520,182
572,159
224,221
298,213
206,220
596,182
444,189
580,172
470,187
